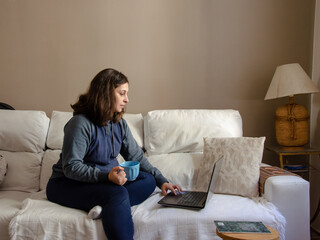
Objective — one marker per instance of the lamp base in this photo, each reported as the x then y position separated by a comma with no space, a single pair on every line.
292,126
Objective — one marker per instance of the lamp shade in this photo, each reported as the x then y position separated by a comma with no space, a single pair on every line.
288,80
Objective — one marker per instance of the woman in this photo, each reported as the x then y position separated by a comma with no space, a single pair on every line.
88,173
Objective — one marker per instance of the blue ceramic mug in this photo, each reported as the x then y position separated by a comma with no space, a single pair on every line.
131,168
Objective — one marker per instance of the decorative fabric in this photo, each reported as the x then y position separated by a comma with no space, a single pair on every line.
239,174
151,221
270,171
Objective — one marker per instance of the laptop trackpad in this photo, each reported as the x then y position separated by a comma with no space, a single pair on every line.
171,198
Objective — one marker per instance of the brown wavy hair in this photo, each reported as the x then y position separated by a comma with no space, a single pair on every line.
98,102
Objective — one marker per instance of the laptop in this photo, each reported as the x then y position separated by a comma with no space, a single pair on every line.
193,199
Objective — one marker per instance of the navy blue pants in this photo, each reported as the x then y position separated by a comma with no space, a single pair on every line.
115,200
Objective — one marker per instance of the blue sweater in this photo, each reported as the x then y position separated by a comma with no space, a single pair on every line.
89,152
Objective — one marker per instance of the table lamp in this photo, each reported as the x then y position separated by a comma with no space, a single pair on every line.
291,120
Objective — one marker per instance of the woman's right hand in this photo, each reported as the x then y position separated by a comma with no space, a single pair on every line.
117,176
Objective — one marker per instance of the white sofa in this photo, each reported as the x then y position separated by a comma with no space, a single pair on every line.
30,143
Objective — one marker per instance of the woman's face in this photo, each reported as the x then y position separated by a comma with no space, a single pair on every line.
121,96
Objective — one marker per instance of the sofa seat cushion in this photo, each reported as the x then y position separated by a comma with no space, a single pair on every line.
179,168
23,172
40,219
169,131
153,221
10,204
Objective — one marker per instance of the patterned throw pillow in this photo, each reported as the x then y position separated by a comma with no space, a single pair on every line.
3,168
239,174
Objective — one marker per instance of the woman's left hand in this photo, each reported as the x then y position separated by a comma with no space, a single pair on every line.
167,186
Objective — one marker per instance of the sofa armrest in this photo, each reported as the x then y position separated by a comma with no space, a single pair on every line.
290,194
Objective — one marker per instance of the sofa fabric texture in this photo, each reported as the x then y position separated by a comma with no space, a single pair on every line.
55,132
23,131
239,174
3,168
175,131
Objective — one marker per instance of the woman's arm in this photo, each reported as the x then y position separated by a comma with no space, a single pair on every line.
131,151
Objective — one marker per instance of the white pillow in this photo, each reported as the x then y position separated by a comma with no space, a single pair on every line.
23,131
240,171
3,168
56,133
179,168
60,119
23,172
50,157
168,131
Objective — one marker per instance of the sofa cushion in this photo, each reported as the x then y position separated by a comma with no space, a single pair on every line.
59,120
179,168
50,157
240,171
55,133
23,131
40,219
169,131
135,123
23,171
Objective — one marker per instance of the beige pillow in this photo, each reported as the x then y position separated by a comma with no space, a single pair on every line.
23,171
240,171
3,168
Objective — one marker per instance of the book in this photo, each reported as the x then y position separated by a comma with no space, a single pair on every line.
295,167
241,227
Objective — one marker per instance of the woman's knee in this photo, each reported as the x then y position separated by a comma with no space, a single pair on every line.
149,181
119,196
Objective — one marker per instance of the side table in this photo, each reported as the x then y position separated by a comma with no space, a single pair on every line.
273,235
282,152
295,152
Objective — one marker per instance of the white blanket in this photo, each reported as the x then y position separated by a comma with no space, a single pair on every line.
41,219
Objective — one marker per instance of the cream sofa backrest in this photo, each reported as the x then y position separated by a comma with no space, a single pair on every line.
56,134
22,141
59,120
23,131
174,131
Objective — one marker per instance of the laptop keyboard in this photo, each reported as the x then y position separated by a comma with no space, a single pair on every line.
191,198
